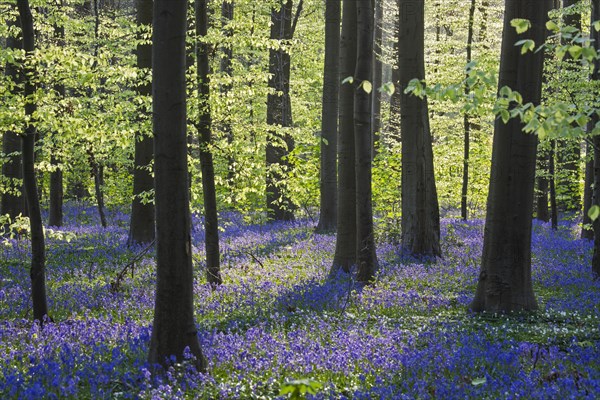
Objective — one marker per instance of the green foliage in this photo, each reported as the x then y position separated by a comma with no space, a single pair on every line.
521,25
299,388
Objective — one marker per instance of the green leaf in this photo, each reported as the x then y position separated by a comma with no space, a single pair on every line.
348,79
479,381
388,88
575,51
505,115
520,24
597,26
367,86
527,45
594,212
552,26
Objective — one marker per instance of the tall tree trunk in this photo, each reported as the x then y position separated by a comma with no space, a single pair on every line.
279,115
142,224
542,213
13,203
377,75
98,175
55,212
226,69
365,235
329,119
552,180
211,221
586,232
38,247
467,124
505,276
345,245
420,211
595,35
173,329
568,152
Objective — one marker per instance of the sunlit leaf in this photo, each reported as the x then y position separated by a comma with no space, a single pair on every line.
520,24
594,212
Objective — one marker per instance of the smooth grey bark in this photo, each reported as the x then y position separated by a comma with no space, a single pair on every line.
12,203
377,75
464,193
542,212
55,211
279,114
226,68
586,232
595,35
97,168
505,276
346,239
329,119
37,271
420,210
142,224
552,184
568,152
204,126
173,328
363,139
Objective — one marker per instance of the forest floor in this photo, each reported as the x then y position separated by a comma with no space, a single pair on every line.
278,323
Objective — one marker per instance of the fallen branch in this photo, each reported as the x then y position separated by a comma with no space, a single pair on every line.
115,285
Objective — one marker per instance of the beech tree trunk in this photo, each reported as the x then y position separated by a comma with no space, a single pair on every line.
346,239
420,211
142,223
55,212
552,184
377,75
279,115
568,152
466,123
211,221
38,247
226,69
329,119
586,231
505,277
542,213
595,35
363,139
173,329
12,203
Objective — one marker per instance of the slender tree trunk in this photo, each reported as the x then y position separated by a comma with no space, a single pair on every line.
38,247
365,236
542,213
279,115
227,70
467,124
55,212
211,221
13,203
346,239
377,75
588,192
98,175
329,119
142,224
173,329
595,35
420,211
505,276
552,173
568,152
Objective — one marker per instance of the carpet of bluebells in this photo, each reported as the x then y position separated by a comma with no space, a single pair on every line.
278,318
